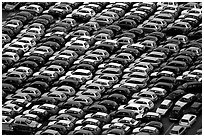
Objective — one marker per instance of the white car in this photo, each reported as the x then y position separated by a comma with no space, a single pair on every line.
81,72
127,120
18,45
143,102
68,90
78,43
84,12
137,69
161,92
11,55
26,40
28,71
35,8
187,120
184,100
177,130
145,94
134,107
164,107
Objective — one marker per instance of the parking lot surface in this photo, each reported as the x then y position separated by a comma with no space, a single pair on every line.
102,68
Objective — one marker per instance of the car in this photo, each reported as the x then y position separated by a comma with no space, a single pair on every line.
18,96
84,99
11,55
186,100
75,112
83,13
47,132
140,82
156,124
66,123
114,132
146,94
133,107
151,116
176,113
20,75
195,108
93,128
28,71
34,9
8,88
177,130
25,125
187,120
148,104
95,95
50,108
131,122
7,123
147,130
101,116
59,128
90,121
62,116
8,112
109,104
60,10
59,96
68,90
126,128
164,107
20,102
30,117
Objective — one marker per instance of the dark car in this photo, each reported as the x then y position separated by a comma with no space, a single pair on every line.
42,86
39,60
127,24
8,31
95,108
63,117
195,35
109,104
69,82
81,132
26,14
62,63
30,64
8,88
42,78
120,90
119,98
54,38
123,113
175,95
16,82
60,128
195,108
69,104
191,87
157,124
176,113
114,132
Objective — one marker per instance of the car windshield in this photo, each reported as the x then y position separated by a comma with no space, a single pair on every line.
174,132
184,100
184,120
79,73
163,106
140,102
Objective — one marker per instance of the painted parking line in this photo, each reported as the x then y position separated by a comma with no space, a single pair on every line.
169,128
